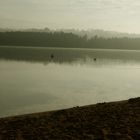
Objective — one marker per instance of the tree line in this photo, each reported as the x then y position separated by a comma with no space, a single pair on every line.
66,40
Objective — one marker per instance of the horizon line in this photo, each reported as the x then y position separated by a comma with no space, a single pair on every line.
59,29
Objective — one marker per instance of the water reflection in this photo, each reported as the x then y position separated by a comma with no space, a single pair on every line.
62,55
39,84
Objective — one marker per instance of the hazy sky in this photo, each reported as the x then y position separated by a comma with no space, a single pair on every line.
118,15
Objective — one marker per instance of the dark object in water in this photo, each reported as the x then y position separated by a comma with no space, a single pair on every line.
52,56
94,59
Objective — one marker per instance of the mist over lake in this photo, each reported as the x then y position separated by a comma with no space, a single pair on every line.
31,80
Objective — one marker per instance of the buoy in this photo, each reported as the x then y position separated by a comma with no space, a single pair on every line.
52,56
94,59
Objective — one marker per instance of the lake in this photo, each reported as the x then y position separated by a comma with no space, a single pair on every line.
31,80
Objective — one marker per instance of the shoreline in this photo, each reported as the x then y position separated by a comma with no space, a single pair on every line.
67,48
54,110
103,121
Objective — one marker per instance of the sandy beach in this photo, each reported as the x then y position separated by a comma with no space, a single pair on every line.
103,121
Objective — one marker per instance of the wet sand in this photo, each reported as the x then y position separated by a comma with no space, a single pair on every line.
103,121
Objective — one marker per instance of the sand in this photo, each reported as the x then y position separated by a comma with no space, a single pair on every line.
103,121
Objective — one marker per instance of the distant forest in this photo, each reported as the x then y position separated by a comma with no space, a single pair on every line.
66,40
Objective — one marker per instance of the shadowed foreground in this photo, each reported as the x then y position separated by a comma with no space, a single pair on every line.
104,121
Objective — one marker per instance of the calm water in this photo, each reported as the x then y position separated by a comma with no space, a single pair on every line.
30,81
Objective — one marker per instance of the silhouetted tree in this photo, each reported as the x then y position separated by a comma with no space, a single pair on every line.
67,40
